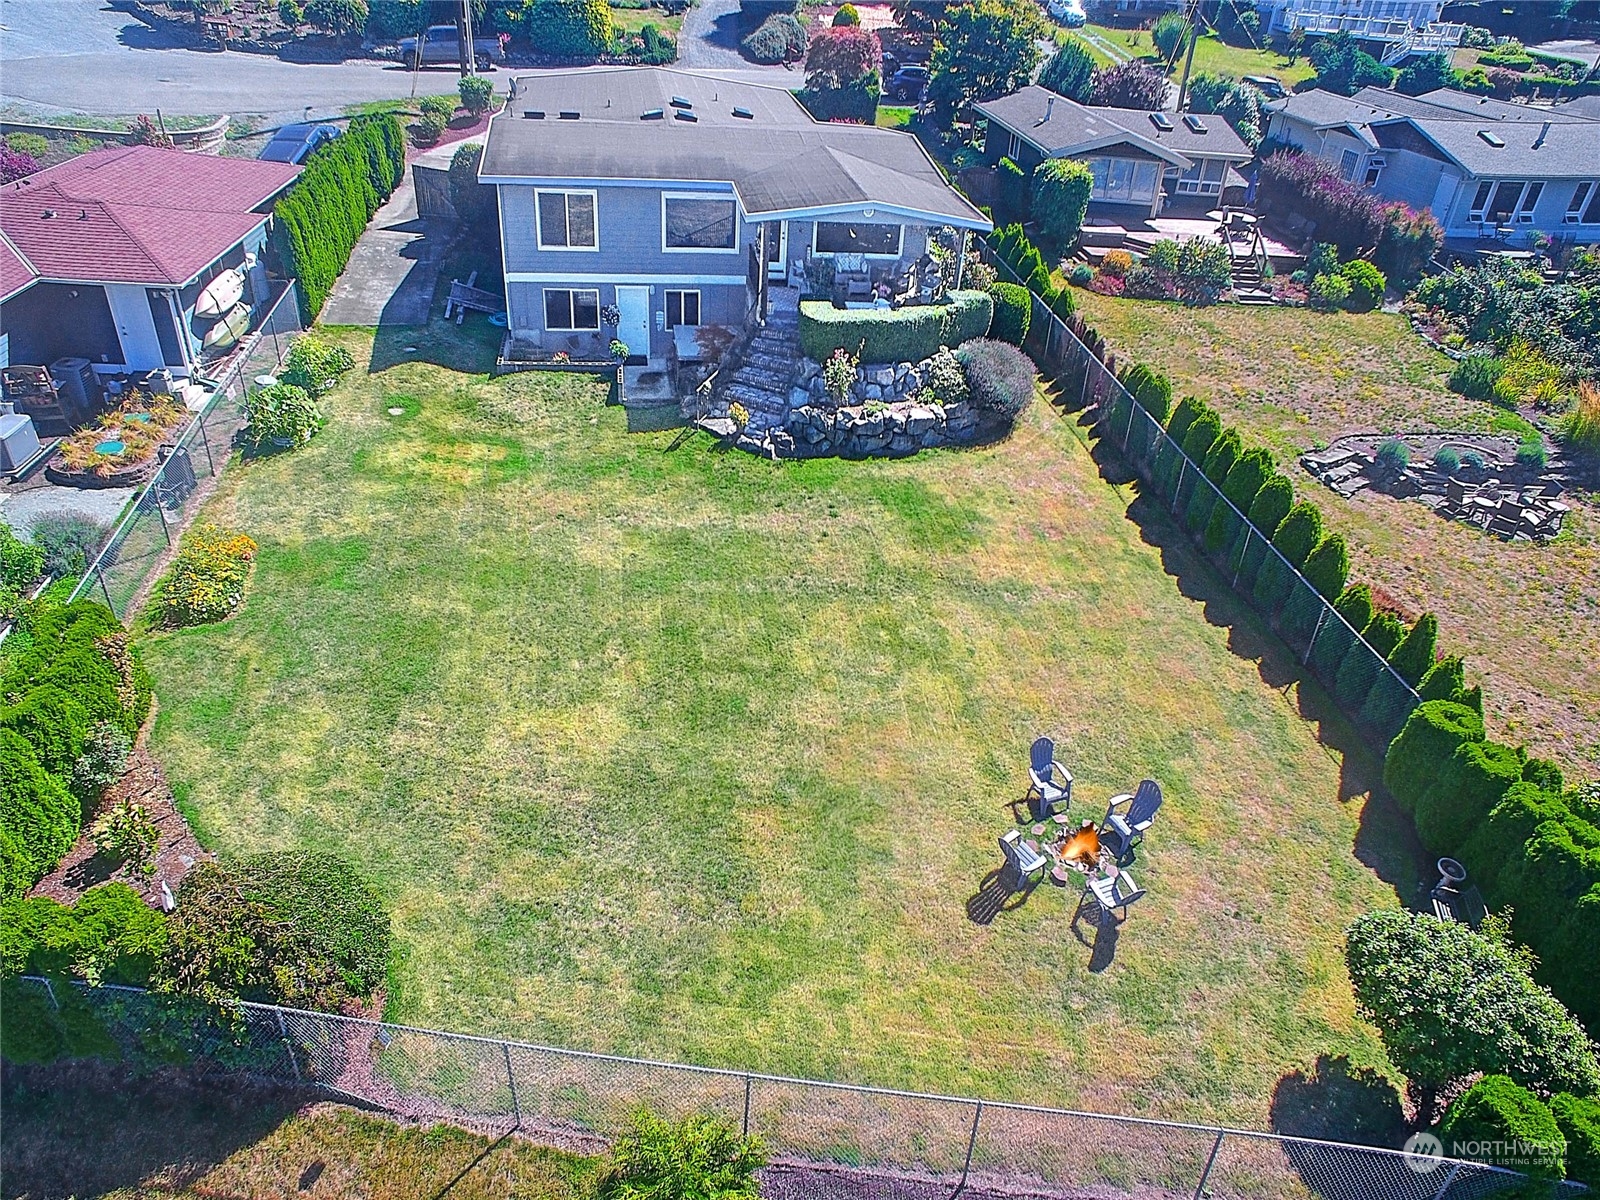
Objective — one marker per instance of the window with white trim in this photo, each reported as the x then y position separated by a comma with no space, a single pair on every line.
1575,206
1013,147
1122,180
1480,201
1530,200
571,308
1347,164
683,308
698,223
857,237
566,220
1374,169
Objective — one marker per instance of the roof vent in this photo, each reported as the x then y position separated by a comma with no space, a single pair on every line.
685,116
1161,121
1494,139
533,114
653,114
1544,132
743,113
83,214
568,114
680,102
47,214
1194,123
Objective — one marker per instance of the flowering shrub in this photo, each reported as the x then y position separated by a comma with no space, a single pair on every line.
1146,282
1106,285
839,375
14,164
282,413
999,377
207,578
945,381
739,415
1328,292
1116,263
1343,212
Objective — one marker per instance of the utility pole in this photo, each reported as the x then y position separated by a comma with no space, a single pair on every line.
1188,61
464,38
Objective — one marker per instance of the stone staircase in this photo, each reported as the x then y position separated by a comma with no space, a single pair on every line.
765,371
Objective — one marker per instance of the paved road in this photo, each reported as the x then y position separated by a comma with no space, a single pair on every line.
62,56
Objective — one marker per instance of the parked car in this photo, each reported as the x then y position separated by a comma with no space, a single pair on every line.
294,143
1068,12
1267,84
441,46
908,83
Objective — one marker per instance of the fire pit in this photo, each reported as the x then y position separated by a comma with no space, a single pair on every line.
1082,849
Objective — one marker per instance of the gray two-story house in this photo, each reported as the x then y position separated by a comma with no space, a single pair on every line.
639,200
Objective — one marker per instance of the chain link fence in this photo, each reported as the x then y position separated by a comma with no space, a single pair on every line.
824,1139
1359,678
163,509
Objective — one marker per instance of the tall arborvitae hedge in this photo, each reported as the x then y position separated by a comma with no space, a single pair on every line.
317,224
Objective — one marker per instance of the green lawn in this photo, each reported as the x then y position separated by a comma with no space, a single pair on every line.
631,19
660,749
1210,54
1527,617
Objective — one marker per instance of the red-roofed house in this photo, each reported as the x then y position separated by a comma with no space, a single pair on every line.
104,256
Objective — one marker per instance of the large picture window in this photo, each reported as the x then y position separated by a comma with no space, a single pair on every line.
857,237
683,308
1124,181
699,223
566,221
571,309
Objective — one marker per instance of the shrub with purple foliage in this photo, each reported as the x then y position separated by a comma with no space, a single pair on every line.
14,164
999,376
1130,85
1348,215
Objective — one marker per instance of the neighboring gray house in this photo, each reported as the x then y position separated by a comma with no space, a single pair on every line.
1144,163
1486,168
1403,27
679,198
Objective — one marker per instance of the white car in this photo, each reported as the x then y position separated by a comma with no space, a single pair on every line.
1068,12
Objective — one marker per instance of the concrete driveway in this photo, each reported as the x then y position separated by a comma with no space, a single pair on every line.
393,269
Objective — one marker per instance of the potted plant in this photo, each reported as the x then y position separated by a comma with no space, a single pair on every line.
619,350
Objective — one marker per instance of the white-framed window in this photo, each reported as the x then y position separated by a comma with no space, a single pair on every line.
1374,169
696,223
1530,199
1480,201
683,308
566,220
1124,181
1013,147
856,237
1347,164
1203,178
571,308
1575,205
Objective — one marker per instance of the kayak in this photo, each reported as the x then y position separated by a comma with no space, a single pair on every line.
220,295
227,331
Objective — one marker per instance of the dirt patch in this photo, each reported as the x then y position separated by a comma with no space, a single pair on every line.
144,783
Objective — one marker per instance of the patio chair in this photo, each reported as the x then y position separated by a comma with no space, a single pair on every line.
1022,858
1111,893
1123,830
1049,783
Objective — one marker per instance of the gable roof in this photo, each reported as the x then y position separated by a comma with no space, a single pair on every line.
778,159
1062,127
1569,150
16,272
137,214
1326,110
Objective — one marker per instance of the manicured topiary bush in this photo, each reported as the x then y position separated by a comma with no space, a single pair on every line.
1495,1118
1469,783
1419,752
110,935
1445,680
1061,188
1361,666
1578,1118
1355,606
1219,460
1296,537
1013,310
1415,654
1328,566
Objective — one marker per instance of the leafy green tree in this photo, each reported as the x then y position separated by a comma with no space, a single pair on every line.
1343,67
843,69
1207,90
1426,73
1061,188
697,1158
1170,35
1070,71
1449,1001
341,18
983,49
579,29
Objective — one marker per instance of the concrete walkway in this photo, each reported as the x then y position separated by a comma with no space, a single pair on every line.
393,268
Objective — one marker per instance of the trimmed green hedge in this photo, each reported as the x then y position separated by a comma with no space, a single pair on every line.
1578,1118
317,223
892,335
1013,311
1495,1111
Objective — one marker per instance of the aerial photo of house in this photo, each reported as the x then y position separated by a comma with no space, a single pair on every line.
800,600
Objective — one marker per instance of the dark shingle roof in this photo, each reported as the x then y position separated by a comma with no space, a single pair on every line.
1059,126
778,158
137,214
1561,150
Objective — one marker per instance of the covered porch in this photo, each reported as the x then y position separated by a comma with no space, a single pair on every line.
870,259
